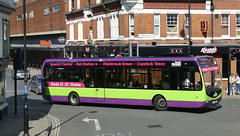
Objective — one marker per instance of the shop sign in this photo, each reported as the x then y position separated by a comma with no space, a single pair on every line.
45,43
206,50
61,39
87,49
146,35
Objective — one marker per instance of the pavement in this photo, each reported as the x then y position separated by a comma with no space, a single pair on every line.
39,124
13,124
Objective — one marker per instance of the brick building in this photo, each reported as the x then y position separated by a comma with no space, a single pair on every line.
105,28
6,8
45,28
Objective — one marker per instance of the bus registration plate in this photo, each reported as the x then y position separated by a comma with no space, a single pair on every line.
214,102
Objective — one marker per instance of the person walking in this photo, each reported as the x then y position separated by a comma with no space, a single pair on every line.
237,83
231,84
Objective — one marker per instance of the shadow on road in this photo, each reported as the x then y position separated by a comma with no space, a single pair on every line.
197,111
13,124
189,110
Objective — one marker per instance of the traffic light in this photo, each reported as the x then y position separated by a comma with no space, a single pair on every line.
233,53
134,49
18,59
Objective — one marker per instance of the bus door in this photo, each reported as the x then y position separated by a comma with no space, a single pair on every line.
186,82
100,90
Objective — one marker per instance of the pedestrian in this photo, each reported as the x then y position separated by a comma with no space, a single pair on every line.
231,84
237,83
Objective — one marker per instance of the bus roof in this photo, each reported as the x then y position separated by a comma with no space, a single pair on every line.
126,59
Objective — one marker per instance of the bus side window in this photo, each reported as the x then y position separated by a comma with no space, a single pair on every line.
90,76
165,81
60,74
49,74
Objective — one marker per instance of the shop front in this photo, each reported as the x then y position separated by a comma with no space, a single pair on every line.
41,47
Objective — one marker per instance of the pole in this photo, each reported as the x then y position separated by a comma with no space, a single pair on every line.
25,107
15,89
189,29
229,71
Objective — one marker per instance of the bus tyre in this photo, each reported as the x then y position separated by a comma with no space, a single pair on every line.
160,103
73,99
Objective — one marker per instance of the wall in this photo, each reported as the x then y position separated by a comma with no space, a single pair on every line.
40,22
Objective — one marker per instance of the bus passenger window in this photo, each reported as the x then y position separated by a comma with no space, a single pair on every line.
49,74
60,74
164,83
139,77
90,76
116,78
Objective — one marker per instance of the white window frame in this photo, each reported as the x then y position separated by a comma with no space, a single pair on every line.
98,1
114,26
186,26
223,23
54,10
69,5
71,31
78,4
46,10
80,30
31,14
238,25
131,25
100,28
157,25
172,23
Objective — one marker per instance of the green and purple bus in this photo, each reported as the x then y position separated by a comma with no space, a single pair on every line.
188,82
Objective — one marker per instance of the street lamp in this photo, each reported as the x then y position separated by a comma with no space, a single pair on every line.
25,107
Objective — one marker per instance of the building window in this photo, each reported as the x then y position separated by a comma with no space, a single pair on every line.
225,25
4,31
88,3
31,14
78,4
47,10
172,25
114,26
131,25
56,8
98,1
80,31
19,17
186,26
6,38
238,25
73,7
100,28
71,34
157,25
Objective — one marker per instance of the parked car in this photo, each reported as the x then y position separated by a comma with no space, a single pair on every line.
35,84
20,74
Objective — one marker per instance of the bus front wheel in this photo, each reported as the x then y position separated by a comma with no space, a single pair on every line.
160,103
73,99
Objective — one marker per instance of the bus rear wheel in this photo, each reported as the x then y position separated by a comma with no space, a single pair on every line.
73,99
160,103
